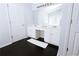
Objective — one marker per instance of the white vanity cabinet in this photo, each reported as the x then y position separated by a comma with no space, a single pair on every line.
16,15
52,36
31,32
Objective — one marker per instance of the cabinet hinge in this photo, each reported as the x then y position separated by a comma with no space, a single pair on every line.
67,49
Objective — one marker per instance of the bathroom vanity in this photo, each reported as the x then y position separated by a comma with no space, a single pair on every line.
46,21
50,34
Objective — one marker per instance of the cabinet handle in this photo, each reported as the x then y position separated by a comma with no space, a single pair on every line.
54,26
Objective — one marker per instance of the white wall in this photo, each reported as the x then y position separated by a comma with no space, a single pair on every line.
28,16
40,17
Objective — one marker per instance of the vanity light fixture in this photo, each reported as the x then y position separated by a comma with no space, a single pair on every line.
45,5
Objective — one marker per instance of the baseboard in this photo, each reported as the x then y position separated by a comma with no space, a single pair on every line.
10,43
5,45
19,40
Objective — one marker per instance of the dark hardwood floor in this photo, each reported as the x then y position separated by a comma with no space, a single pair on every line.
24,48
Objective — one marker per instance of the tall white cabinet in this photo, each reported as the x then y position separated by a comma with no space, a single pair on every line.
4,26
16,15
13,21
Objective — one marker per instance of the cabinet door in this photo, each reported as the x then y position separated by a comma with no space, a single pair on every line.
52,36
31,32
55,36
47,36
16,14
4,26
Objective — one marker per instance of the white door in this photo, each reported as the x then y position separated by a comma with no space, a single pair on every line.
4,26
16,14
65,28
73,46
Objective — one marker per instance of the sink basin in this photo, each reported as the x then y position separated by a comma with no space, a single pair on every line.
41,27
44,27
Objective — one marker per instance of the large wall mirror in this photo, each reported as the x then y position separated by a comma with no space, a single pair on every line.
49,15
54,18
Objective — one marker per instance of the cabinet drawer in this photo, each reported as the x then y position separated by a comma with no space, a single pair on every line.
52,37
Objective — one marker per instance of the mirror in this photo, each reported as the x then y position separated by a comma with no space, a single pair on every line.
54,18
47,16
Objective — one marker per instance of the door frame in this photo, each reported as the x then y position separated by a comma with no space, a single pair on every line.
65,29
74,32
